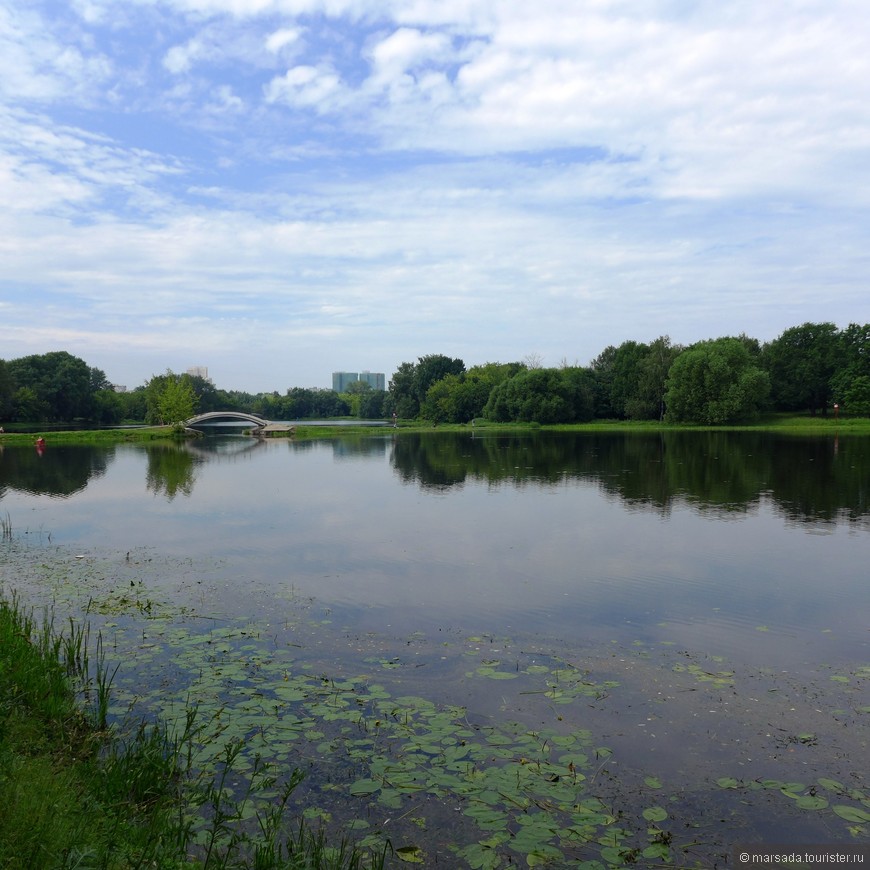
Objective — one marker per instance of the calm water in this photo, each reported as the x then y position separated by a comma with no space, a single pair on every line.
712,589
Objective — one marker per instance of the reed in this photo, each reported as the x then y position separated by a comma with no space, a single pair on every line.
81,791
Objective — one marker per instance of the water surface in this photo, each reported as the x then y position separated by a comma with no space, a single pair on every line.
703,598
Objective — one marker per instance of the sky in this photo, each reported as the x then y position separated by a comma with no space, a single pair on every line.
280,189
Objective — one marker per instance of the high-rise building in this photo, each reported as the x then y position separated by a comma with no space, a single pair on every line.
342,380
198,372
375,380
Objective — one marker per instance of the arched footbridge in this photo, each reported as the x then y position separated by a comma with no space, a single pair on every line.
259,424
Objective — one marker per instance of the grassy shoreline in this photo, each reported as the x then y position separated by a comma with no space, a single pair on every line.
92,436
78,791
792,424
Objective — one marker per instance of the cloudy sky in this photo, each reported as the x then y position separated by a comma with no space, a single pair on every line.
278,189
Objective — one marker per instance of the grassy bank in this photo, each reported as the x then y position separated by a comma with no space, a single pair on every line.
785,423
77,792
92,436
797,424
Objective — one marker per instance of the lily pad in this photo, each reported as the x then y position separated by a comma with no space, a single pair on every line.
410,854
811,802
655,814
851,814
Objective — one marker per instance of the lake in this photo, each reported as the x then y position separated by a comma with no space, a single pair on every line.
541,648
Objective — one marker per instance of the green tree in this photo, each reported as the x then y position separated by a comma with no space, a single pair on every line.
272,406
430,369
7,390
543,396
403,397
647,400
364,401
98,381
177,401
107,407
617,378
207,396
856,396
372,405
848,384
170,398
802,363
134,405
301,403
715,382
412,381
580,392
459,398
602,368
352,396
63,384
27,407
442,400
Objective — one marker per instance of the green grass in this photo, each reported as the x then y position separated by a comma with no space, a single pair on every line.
91,436
785,423
77,793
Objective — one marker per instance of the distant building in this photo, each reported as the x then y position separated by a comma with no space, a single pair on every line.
342,380
375,380
198,372
119,388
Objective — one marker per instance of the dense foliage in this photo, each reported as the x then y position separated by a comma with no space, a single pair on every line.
411,382
52,386
715,382
719,381
543,396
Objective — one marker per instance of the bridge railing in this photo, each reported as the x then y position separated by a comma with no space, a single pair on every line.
259,422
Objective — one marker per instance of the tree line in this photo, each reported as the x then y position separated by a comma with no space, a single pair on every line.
812,368
719,381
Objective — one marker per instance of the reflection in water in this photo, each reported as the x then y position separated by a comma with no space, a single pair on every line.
808,479
572,582
208,448
359,448
56,471
170,470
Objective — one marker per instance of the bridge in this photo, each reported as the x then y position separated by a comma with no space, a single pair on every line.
260,425
226,417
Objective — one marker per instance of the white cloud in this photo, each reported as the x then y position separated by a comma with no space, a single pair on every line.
37,65
180,58
319,88
407,49
52,168
280,39
226,101
594,171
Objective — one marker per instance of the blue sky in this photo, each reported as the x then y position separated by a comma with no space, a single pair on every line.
278,189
